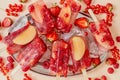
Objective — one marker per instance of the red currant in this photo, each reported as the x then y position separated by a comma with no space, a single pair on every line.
116,66
118,38
103,77
10,59
9,66
110,70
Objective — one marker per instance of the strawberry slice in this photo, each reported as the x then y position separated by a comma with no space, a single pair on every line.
55,10
82,22
87,2
52,36
7,22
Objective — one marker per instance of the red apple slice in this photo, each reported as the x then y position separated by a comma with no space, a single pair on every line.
77,47
65,14
35,10
26,36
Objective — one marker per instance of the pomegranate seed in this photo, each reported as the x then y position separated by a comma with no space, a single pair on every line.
10,66
0,37
110,70
118,38
26,68
103,77
10,59
116,66
1,59
96,79
31,8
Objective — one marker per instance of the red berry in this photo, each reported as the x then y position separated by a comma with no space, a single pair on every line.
111,61
116,66
25,68
97,79
0,37
103,77
96,61
31,8
87,2
10,59
118,38
10,66
109,6
110,70
7,22
55,11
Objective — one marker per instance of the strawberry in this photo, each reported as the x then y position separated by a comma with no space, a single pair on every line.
87,2
52,36
7,22
82,22
111,61
109,6
96,61
55,10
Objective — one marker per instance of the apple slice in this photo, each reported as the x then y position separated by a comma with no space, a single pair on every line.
26,36
78,47
65,14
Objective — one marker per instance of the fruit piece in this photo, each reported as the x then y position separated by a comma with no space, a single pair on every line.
65,10
97,79
26,36
0,37
96,61
109,6
23,1
10,66
77,47
87,2
110,70
1,59
10,59
118,38
55,10
111,61
52,36
116,66
7,22
103,77
35,11
82,22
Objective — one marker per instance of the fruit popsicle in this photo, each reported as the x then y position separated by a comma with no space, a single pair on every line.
101,32
59,58
31,54
80,55
44,21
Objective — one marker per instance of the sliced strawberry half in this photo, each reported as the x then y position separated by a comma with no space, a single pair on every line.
52,36
55,10
7,22
82,22
87,2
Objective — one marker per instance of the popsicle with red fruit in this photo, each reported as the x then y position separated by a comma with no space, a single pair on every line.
80,55
42,17
59,58
101,32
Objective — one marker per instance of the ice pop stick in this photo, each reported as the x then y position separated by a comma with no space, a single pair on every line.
94,18
85,76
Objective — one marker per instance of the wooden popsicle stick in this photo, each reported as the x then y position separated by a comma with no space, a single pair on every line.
94,18
57,76
85,76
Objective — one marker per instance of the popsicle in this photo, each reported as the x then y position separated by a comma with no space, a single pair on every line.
12,47
80,54
59,58
31,54
67,15
101,32
42,17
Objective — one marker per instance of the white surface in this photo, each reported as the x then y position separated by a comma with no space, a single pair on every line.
102,69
